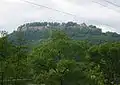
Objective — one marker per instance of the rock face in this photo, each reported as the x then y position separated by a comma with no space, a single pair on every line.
32,28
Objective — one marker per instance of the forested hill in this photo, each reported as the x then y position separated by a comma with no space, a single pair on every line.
37,31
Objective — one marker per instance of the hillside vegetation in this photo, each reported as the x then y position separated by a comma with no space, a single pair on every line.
59,57
37,31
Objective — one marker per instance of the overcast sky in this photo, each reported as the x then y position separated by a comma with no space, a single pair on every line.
15,12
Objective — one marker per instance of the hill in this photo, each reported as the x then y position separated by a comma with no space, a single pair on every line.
37,31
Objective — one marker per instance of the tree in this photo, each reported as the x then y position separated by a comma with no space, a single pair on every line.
5,52
107,56
64,72
57,61
17,62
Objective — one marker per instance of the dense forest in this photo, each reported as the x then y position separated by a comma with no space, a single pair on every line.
59,54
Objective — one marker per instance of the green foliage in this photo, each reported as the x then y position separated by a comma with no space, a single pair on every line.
60,59
107,56
5,47
58,62
60,46
13,61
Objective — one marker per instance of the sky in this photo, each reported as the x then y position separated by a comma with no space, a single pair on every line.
14,13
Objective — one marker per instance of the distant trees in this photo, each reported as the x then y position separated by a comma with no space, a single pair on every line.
75,31
71,24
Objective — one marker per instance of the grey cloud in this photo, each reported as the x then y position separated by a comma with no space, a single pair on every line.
14,14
